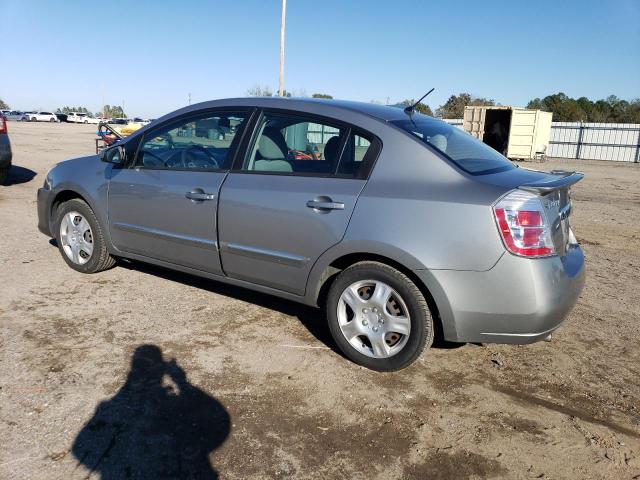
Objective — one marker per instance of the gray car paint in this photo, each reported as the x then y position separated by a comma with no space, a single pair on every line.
416,210
150,215
269,235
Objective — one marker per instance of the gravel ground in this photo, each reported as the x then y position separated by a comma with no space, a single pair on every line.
142,368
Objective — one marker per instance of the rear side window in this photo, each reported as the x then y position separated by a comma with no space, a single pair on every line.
468,153
297,144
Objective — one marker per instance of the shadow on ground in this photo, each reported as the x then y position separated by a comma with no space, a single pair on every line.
313,319
158,425
19,175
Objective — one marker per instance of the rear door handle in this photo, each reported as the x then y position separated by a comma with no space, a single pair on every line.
199,195
323,203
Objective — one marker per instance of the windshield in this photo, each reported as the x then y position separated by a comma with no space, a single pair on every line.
468,153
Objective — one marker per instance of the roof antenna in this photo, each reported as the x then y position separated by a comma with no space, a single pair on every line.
411,108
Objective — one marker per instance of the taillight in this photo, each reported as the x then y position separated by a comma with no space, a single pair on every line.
3,124
523,225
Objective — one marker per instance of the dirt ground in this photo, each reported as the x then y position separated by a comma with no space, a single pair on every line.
88,388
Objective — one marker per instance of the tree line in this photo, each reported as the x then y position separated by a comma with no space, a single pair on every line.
564,108
108,111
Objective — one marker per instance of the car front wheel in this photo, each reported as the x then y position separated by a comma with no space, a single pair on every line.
378,317
80,238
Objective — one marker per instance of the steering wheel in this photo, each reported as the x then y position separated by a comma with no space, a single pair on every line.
186,152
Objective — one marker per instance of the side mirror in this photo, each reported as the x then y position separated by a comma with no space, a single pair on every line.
113,155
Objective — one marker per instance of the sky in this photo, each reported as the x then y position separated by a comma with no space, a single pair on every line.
152,54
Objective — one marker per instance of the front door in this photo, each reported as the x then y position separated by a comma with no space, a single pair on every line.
164,204
290,200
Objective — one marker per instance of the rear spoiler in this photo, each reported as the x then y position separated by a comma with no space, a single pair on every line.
565,180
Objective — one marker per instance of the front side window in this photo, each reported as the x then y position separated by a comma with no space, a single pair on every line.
203,142
304,145
468,153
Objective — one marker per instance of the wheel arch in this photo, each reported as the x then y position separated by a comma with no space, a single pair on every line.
64,196
67,193
323,276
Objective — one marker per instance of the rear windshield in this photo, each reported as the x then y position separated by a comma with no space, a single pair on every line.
468,153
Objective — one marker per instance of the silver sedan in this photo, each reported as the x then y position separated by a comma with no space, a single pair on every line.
398,225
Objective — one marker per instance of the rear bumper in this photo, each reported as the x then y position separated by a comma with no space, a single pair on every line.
44,207
518,301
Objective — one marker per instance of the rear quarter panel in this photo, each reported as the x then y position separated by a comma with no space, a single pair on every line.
418,203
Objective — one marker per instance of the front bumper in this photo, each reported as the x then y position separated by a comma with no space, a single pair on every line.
44,207
518,301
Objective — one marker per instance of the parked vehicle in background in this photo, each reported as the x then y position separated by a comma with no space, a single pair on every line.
62,117
77,117
5,150
16,116
397,224
42,117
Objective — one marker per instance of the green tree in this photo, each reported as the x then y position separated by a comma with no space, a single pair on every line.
420,108
567,109
113,111
258,91
321,95
67,110
3,105
454,106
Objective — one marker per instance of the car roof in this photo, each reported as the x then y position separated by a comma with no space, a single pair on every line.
381,112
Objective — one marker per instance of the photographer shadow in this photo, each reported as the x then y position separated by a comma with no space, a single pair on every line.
150,429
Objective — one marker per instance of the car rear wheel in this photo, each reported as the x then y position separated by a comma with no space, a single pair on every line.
378,317
80,238
52,119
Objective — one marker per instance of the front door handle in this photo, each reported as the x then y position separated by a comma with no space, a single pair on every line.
324,204
199,195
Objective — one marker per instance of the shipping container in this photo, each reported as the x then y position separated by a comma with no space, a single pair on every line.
517,133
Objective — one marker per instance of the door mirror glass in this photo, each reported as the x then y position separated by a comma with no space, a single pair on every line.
113,155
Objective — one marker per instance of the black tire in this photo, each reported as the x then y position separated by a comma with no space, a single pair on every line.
33,119
100,259
421,333
4,174
52,120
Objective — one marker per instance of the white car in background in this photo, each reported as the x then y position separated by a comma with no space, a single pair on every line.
77,117
41,117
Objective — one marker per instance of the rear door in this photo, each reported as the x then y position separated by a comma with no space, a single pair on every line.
164,205
291,197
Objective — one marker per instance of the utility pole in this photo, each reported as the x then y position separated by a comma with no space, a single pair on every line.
282,28
189,98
